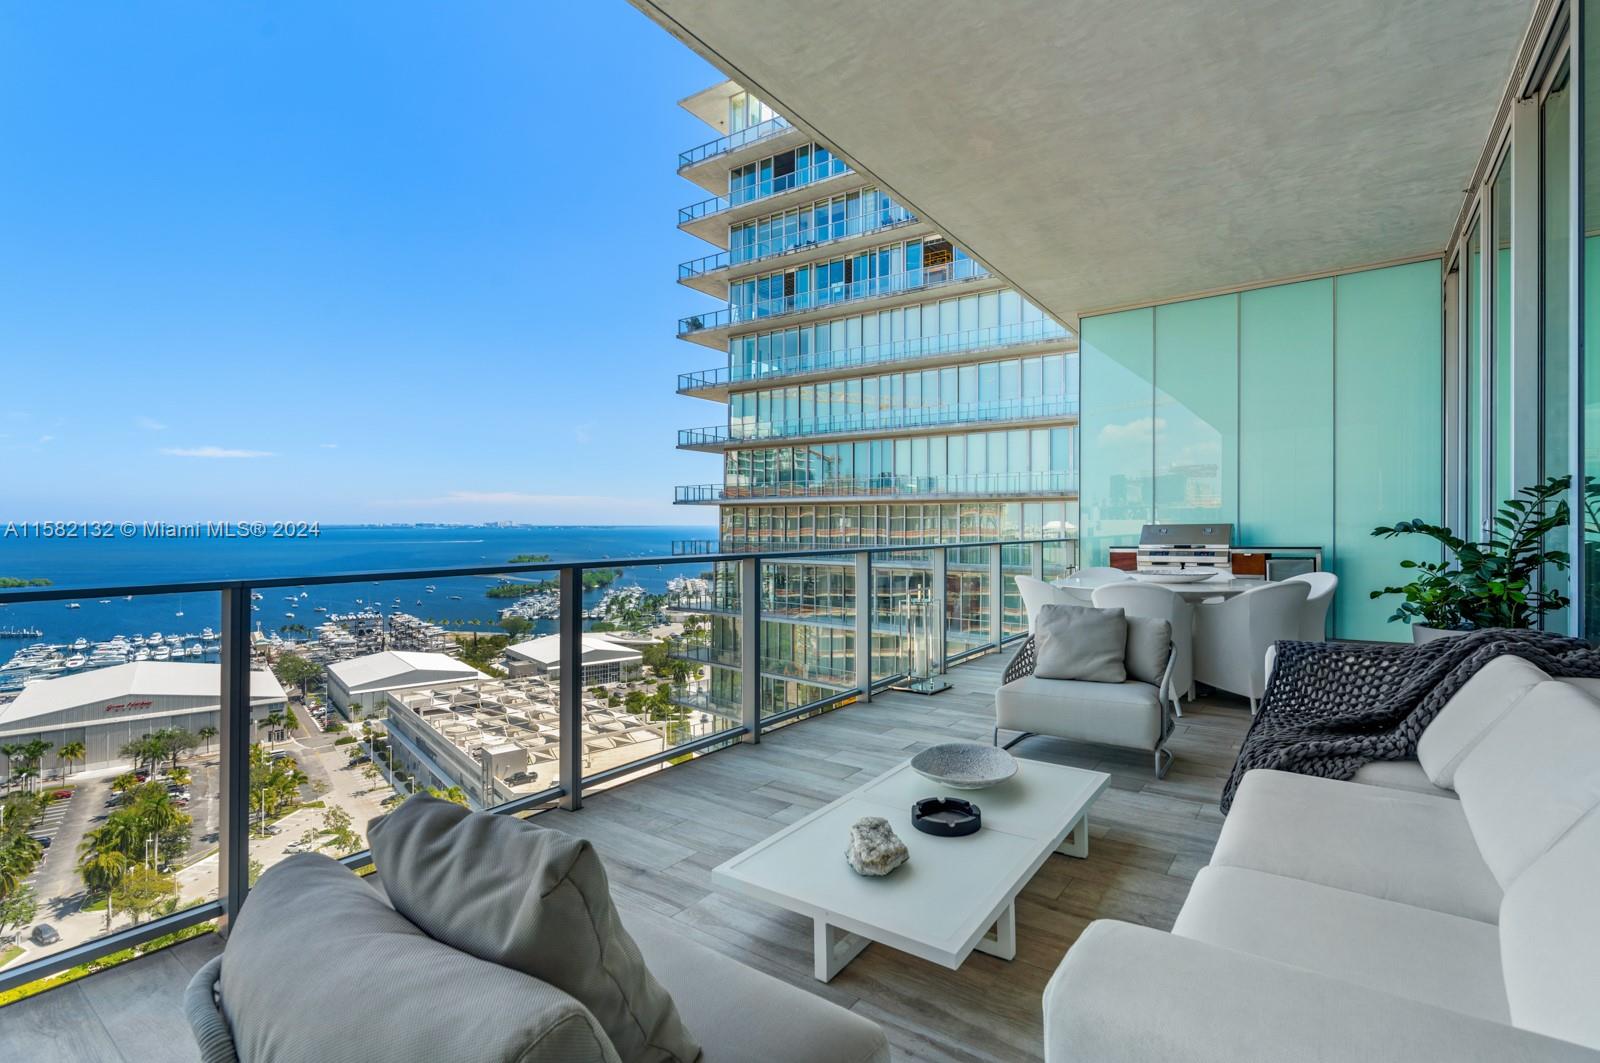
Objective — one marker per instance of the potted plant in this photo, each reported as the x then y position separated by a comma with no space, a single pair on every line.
1490,584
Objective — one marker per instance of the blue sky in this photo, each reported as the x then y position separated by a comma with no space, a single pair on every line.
345,262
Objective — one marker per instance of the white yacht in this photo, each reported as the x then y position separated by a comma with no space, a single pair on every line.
161,654
74,605
142,655
194,650
80,643
76,661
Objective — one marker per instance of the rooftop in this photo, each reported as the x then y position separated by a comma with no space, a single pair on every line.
400,667
597,647
135,679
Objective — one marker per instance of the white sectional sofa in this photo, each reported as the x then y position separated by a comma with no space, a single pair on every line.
1446,908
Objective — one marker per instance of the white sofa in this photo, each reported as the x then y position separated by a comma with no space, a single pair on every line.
1446,908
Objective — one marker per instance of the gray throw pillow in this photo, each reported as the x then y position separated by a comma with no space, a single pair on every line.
534,900
1080,642
1149,646
315,946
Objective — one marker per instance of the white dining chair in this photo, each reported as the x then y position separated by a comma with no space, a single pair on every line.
1162,603
1319,598
1036,594
1231,637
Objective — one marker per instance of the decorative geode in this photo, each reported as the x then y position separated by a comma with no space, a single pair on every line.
875,849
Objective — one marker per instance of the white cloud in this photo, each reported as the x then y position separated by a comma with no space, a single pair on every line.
1134,431
46,439
582,435
214,452
150,424
328,446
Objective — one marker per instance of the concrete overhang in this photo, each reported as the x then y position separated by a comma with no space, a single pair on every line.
1104,154
710,105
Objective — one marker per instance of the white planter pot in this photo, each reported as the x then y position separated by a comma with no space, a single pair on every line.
1421,633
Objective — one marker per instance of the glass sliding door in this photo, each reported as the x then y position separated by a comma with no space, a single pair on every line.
1472,384
1589,308
1500,476
1555,356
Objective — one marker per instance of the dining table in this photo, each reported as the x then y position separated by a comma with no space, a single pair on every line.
1222,585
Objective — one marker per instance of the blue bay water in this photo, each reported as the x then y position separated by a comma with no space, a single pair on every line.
454,601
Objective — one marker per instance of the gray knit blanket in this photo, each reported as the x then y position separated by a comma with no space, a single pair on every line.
1331,707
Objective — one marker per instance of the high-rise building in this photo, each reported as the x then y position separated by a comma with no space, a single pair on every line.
877,387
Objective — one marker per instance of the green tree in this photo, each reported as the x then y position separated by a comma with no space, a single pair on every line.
297,671
17,909
70,753
141,891
11,751
453,794
515,626
206,734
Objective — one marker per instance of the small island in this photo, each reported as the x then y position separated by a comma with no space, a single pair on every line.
12,582
529,559
593,580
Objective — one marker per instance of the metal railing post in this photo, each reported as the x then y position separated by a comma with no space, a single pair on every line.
863,638
938,585
997,596
1036,559
750,647
233,732
570,676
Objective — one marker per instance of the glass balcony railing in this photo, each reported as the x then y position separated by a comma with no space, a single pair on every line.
911,280
793,241
884,421
733,141
996,337
286,760
773,186
1008,483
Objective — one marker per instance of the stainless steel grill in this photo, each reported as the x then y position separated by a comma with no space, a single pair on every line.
1177,546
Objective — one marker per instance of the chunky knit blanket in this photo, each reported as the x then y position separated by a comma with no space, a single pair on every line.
1331,707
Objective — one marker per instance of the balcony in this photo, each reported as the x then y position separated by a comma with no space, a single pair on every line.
1150,838
707,164
919,488
709,219
901,421
715,327
712,273
923,352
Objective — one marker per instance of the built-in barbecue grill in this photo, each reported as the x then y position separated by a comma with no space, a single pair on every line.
1175,546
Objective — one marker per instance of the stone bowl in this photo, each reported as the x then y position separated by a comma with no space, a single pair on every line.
965,765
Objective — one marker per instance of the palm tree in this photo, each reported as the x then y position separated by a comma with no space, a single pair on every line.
206,734
32,756
273,720
10,751
68,753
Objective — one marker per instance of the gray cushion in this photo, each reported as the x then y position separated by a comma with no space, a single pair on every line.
1399,775
1394,844
1125,714
1399,948
743,1015
535,900
1534,775
1081,642
1149,646
315,948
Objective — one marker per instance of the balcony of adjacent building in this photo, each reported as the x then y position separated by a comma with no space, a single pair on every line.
707,164
925,352
709,219
997,413
886,487
712,274
714,328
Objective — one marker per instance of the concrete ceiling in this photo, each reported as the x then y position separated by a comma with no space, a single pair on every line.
1101,153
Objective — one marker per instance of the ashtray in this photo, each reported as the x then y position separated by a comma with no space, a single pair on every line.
946,817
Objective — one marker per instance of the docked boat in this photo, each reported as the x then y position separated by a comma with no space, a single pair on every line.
74,605
142,655
161,653
80,643
194,650
76,661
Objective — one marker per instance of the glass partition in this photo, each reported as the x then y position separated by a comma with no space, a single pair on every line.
1500,371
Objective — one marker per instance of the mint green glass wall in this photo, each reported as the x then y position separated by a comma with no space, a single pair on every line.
1117,365
1307,414
1286,415
1197,411
1388,459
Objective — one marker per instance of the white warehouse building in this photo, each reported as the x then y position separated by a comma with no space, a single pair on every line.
109,707
363,683
605,659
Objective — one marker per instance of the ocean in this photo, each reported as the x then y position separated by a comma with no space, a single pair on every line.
455,602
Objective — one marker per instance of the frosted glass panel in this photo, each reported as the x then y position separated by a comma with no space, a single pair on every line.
1197,411
1116,363
1286,416
1387,451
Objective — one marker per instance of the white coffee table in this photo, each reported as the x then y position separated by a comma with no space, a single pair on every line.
953,896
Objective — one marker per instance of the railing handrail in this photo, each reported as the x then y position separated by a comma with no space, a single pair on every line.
56,594
965,269
800,177
723,259
732,141
912,417
873,486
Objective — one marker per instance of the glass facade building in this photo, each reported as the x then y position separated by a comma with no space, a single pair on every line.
879,388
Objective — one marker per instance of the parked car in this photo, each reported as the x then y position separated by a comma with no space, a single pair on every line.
300,847
61,795
43,840
44,934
